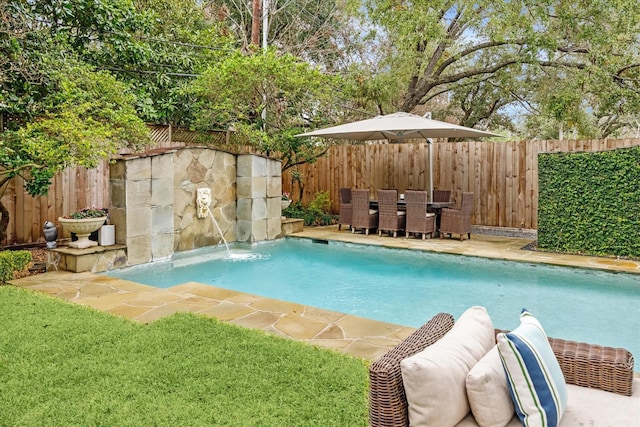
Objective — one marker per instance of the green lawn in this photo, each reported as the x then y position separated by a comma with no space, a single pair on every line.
66,365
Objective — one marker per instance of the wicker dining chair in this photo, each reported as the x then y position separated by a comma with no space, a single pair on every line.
440,196
390,219
458,221
418,220
363,217
346,211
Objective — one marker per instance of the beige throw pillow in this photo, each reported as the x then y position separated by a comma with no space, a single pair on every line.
435,379
488,392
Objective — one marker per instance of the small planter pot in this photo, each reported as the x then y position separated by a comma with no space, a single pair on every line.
82,228
284,205
107,235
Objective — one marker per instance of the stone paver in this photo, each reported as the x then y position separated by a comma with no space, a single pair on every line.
351,334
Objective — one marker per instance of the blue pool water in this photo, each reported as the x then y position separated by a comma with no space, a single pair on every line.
409,287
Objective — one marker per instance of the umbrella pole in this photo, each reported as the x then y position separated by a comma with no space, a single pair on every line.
429,143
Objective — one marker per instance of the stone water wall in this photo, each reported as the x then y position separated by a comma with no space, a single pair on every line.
141,205
203,168
153,200
259,195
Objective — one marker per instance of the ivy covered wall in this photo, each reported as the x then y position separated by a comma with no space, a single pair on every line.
589,203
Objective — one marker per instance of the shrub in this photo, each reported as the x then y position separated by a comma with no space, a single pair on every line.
317,213
11,261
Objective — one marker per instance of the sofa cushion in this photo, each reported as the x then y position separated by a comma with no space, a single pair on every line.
590,407
434,379
536,382
488,392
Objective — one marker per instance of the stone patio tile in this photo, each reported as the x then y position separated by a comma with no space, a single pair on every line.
123,285
67,295
153,298
227,311
300,328
167,310
385,342
241,298
259,320
322,315
128,311
198,300
402,333
365,350
285,307
354,326
107,302
206,291
331,343
332,332
90,290
53,288
273,331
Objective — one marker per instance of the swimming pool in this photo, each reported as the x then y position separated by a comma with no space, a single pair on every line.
409,287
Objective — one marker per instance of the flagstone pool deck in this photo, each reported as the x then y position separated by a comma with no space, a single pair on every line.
354,335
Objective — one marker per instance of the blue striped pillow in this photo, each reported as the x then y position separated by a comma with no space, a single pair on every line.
536,382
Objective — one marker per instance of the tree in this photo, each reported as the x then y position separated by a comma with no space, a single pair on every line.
181,39
469,46
84,120
314,30
157,47
58,110
235,93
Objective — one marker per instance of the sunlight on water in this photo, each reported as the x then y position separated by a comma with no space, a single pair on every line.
409,287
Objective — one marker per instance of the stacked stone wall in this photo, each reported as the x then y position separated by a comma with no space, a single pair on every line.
153,200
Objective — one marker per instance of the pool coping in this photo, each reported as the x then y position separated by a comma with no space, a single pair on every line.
357,336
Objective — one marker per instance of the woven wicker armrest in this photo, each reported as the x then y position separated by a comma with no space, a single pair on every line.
387,400
594,366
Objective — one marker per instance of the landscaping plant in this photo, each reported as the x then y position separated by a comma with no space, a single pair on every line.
11,261
317,213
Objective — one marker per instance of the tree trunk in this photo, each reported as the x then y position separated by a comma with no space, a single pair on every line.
4,222
255,23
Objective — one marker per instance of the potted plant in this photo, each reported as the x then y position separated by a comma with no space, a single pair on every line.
83,223
285,201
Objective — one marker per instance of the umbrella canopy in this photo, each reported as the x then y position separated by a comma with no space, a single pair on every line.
397,126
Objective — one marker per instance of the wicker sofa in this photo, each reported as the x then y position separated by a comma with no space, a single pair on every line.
600,381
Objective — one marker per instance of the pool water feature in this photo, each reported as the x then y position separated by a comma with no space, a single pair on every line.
236,256
409,287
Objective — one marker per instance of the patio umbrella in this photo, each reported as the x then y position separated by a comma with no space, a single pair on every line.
399,126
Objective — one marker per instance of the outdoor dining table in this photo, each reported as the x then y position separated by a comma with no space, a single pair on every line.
435,207
402,205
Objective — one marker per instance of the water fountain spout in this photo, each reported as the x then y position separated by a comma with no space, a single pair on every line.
230,255
203,201
219,231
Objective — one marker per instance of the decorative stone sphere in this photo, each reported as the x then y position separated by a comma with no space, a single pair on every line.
50,234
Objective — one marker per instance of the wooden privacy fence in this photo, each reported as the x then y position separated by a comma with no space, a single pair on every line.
502,175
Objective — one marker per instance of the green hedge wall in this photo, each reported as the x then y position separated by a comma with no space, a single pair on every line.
589,203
